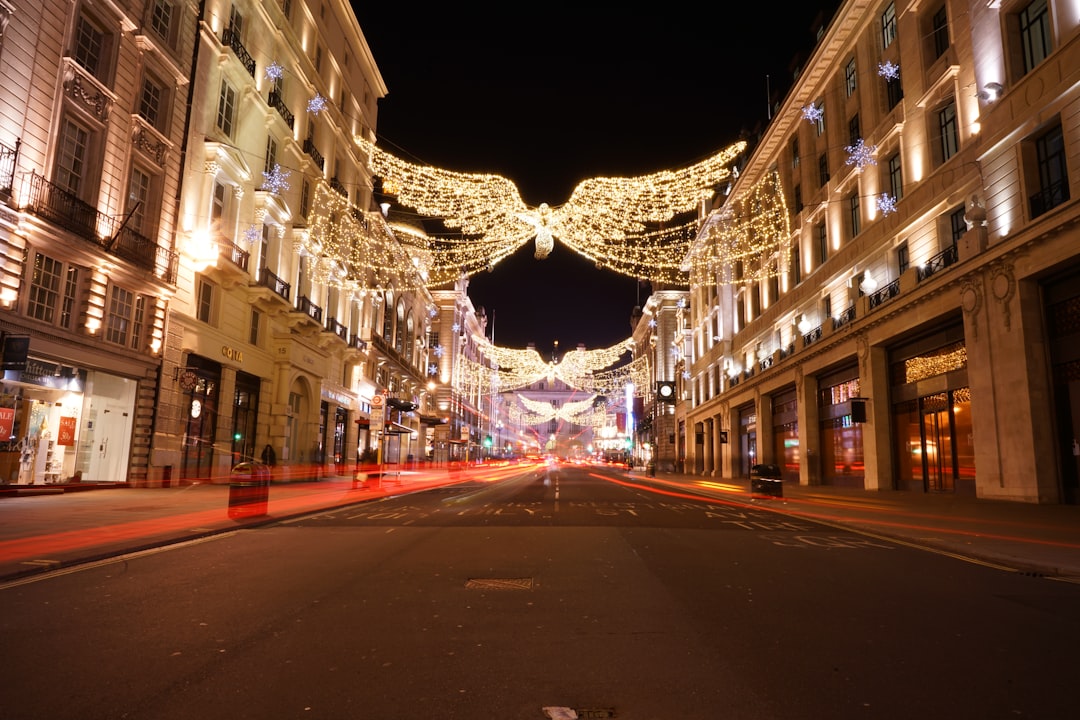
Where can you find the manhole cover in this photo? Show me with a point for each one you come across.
(499, 583)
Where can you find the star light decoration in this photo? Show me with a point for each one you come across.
(612, 221)
(888, 70)
(251, 234)
(886, 204)
(316, 104)
(276, 181)
(860, 154)
(274, 71)
(813, 113)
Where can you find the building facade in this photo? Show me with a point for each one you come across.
(907, 319)
(92, 100)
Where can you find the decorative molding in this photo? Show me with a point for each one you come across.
(971, 302)
(1003, 287)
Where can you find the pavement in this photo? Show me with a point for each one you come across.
(53, 528)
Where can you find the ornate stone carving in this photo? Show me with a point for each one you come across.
(86, 94)
(971, 302)
(1003, 287)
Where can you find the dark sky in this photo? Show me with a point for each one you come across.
(549, 95)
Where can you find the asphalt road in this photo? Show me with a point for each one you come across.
(550, 594)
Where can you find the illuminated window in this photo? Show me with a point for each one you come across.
(888, 25)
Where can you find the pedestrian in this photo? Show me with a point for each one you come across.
(269, 457)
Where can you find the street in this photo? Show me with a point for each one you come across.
(555, 592)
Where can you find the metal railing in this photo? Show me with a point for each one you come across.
(230, 37)
(338, 329)
(1049, 198)
(942, 260)
(313, 153)
(844, 318)
(313, 311)
(269, 280)
(9, 159)
(278, 103)
(886, 293)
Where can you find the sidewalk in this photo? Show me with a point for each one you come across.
(39, 533)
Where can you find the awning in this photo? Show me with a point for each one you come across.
(432, 420)
(393, 428)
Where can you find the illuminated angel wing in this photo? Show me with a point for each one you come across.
(478, 204)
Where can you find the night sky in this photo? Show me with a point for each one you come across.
(548, 97)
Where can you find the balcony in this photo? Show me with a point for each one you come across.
(61, 207)
(313, 311)
(313, 153)
(844, 318)
(9, 157)
(339, 187)
(1049, 198)
(335, 327)
(942, 260)
(231, 38)
(886, 293)
(811, 337)
(275, 101)
(357, 344)
(272, 282)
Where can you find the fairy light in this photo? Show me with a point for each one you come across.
(609, 220)
(274, 71)
(251, 234)
(747, 240)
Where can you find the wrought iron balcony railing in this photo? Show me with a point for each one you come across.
(230, 37)
(844, 318)
(236, 255)
(313, 153)
(269, 280)
(1049, 198)
(278, 103)
(886, 293)
(313, 311)
(9, 157)
(942, 260)
(332, 325)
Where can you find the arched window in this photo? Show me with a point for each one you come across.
(388, 316)
(409, 341)
(399, 329)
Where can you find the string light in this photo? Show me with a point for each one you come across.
(606, 219)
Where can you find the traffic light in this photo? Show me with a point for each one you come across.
(487, 441)
(237, 436)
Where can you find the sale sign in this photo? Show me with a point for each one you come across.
(7, 422)
(65, 434)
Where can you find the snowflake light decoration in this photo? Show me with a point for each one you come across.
(316, 104)
(437, 351)
(274, 71)
(813, 113)
(277, 180)
(860, 155)
(682, 302)
(252, 233)
(432, 312)
(456, 327)
(652, 322)
(686, 374)
(888, 70)
(432, 369)
(886, 204)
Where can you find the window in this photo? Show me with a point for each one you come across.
(939, 32)
(264, 247)
(305, 199)
(948, 136)
(226, 113)
(90, 46)
(823, 169)
(138, 202)
(161, 21)
(957, 225)
(888, 26)
(819, 122)
(204, 301)
(822, 243)
(797, 202)
(138, 324)
(849, 77)
(318, 58)
(796, 264)
(1053, 176)
(794, 153)
(45, 288)
(71, 161)
(1034, 34)
(271, 155)
(119, 315)
(903, 259)
(896, 176)
(894, 92)
(854, 224)
(219, 203)
(152, 102)
(236, 22)
(253, 330)
(854, 131)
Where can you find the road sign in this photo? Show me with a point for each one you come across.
(378, 402)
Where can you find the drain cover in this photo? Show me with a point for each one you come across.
(499, 583)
